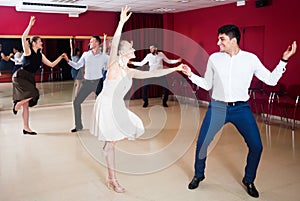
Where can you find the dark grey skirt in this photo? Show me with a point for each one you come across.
(24, 87)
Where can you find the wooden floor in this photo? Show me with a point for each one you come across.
(57, 165)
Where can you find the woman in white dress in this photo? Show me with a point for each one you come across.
(112, 120)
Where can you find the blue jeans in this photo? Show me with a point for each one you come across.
(217, 115)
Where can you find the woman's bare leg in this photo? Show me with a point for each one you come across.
(109, 152)
(22, 102)
(25, 115)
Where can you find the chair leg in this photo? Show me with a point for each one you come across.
(286, 115)
(270, 112)
(270, 106)
(295, 111)
(293, 125)
(264, 114)
(294, 118)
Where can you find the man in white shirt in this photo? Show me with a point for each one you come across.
(94, 62)
(17, 59)
(229, 74)
(155, 60)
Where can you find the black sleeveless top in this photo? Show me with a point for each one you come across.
(32, 62)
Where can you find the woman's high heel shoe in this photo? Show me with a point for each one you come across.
(29, 133)
(113, 184)
(14, 108)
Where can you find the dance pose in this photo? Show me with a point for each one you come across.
(94, 61)
(155, 60)
(112, 120)
(229, 74)
(25, 93)
(77, 74)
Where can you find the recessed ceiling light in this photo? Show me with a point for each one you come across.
(184, 1)
(163, 10)
(241, 3)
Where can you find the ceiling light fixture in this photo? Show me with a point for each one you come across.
(240, 3)
(163, 10)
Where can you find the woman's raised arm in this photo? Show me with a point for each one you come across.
(25, 44)
(116, 39)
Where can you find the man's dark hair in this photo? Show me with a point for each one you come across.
(231, 31)
(97, 39)
(154, 45)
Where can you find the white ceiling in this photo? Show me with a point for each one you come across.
(142, 6)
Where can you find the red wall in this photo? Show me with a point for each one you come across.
(280, 19)
(87, 24)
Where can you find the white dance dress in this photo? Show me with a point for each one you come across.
(112, 120)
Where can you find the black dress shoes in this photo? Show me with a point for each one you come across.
(251, 189)
(165, 105)
(14, 108)
(145, 104)
(29, 133)
(195, 182)
(75, 130)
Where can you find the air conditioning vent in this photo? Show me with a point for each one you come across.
(53, 5)
(71, 9)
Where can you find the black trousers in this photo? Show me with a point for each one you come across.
(87, 87)
(161, 81)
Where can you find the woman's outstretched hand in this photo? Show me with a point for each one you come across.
(65, 56)
(179, 68)
(32, 21)
(186, 70)
(124, 16)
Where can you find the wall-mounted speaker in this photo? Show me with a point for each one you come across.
(262, 3)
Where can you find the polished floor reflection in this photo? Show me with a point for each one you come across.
(51, 93)
(64, 166)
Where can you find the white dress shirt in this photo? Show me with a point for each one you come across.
(94, 64)
(155, 61)
(17, 58)
(230, 77)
